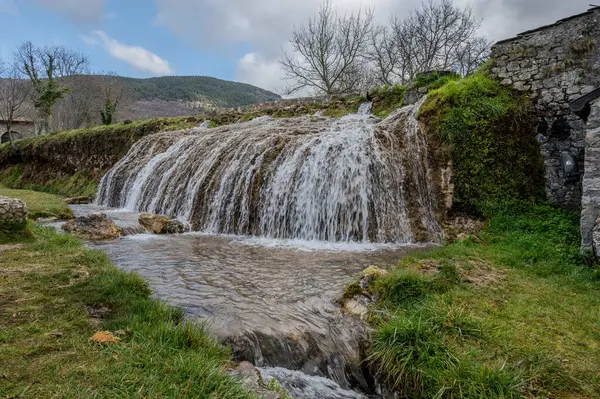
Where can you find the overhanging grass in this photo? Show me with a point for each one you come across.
(40, 205)
(51, 287)
(521, 320)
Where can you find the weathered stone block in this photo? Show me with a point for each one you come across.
(12, 211)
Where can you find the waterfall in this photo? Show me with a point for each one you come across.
(355, 178)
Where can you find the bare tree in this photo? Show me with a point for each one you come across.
(115, 95)
(328, 51)
(44, 67)
(436, 36)
(14, 91)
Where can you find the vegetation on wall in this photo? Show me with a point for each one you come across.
(489, 133)
(508, 313)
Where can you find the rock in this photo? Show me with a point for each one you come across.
(251, 381)
(46, 220)
(93, 227)
(596, 238)
(359, 296)
(78, 200)
(161, 224)
(13, 211)
(369, 275)
(461, 227)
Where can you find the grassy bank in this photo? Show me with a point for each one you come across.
(55, 295)
(513, 311)
(40, 205)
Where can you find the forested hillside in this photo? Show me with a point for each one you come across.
(202, 89)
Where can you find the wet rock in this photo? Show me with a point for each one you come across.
(161, 224)
(303, 386)
(252, 381)
(360, 295)
(93, 227)
(78, 200)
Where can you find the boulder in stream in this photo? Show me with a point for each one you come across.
(93, 227)
(161, 224)
(360, 295)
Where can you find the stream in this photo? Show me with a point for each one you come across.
(272, 301)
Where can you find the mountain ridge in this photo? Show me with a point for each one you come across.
(201, 89)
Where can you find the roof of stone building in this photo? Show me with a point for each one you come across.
(560, 21)
(579, 104)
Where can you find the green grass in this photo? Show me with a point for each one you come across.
(40, 205)
(511, 312)
(77, 185)
(51, 286)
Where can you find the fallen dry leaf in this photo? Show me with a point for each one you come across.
(105, 337)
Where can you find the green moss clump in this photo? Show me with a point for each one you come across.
(352, 290)
(386, 99)
(489, 133)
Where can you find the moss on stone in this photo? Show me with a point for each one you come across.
(386, 99)
(489, 133)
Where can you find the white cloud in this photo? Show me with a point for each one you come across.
(80, 12)
(137, 57)
(8, 7)
(264, 26)
(255, 70)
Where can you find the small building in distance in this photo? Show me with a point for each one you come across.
(21, 128)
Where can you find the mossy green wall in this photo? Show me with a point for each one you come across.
(489, 134)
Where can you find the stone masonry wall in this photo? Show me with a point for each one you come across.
(556, 65)
(12, 211)
(590, 203)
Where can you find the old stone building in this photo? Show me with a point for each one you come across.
(556, 64)
(21, 128)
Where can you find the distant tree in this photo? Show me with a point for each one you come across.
(115, 94)
(436, 36)
(44, 67)
(14, 91)
(328, 52)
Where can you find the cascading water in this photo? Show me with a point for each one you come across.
(356, 178)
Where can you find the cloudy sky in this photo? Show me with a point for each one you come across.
(229, 39)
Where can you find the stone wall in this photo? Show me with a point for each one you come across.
(590, 203)
(12, 211)
(556, 64)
